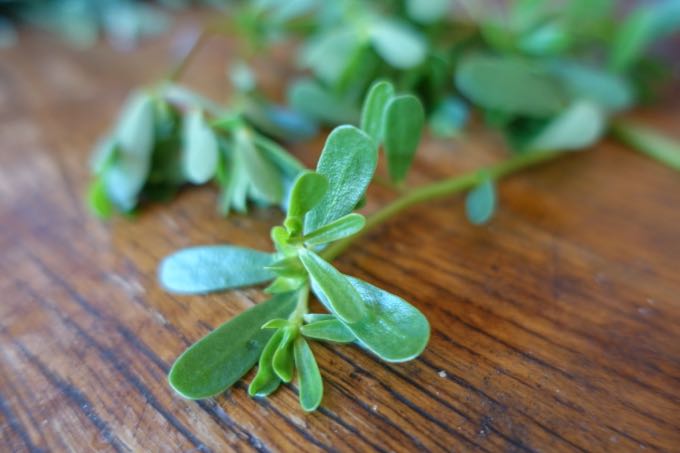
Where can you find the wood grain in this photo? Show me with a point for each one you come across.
(555, 328)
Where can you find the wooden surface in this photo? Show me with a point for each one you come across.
(555, 328)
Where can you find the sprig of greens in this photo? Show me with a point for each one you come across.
(169, 137)
(276, 333)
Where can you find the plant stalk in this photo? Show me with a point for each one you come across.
(649, 142)
(441, 189)
(182, 65)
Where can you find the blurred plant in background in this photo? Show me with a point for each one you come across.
(548, 75)
(83, 22)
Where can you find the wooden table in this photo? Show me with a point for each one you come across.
(555, 328)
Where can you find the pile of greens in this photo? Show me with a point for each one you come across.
(552, 79)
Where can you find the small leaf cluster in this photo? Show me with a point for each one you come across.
(396, 122)
(170, 137)
(276, 334)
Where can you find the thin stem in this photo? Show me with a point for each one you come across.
(441, 189)
(182, 65)
(648, 142)
(302, 307)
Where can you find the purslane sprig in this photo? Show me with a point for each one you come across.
(170, 137)
(276, 333)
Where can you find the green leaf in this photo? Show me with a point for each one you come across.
(222, 357)
(343, 300)
(277, 323)
(264, 178)
(398, 44)
(581, 125)
(348, 160)
(310, 98)
(284, 285)
(199, 149)
(290, 267)
(266, 381)
(338, 229)
(282, 361)
(393, 329)
(203, 269)
(309, 377)
(308, 190)
(480, 203)
(610, 91)
(126, 175)
(373, 111)
(427, 11)
(509, 84)
(274, 153)
(97, 199)
(329, 54)
(234, 183)
(404, 120)
(135, 130)
(632, 38)
(328, 330)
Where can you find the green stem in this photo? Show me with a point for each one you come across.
(441, 189)
(649, 142)
(302, 307)
(182, 65)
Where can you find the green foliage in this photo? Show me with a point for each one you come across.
(510, 85)
(396, 122)
(372, 113)
(348, 160)
(222, 357)
(328, 330)
(404, 120)
(200, 149)
(204, 269)
(309, 377)
(480, 203)
(164, 140)
(275, 331)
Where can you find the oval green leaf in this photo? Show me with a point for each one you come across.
(222, 357)
(373, 110)
(348, 160)
(198, 270)
(341, 228)
(343, 300)
(308, 190)
(398, 44)
(308, 97)
(266, 381)
(404, 120)
(282, 361)
(393, 329)
(309, 377)
(199, 149)
(510, 85)
(480, 203)
(264, 177)
(328, 330)
(578, 127)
